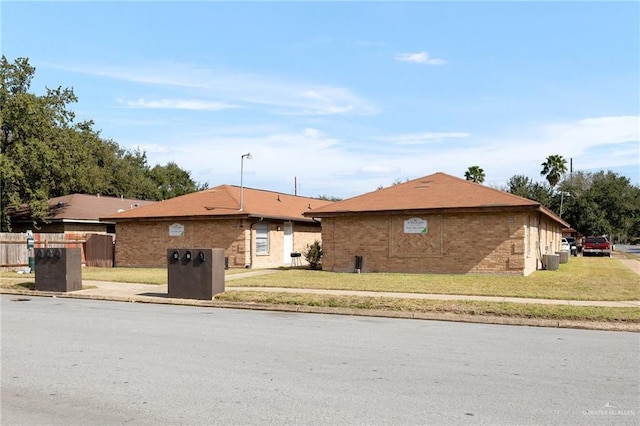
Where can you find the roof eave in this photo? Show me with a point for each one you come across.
(482, 209)
(216, 217)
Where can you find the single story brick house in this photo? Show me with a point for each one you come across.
(257, 228)
(74, 213)
(437, 224)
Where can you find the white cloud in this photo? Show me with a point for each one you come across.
(226, 87)
(595, 131)
(329, 165)
(379, 169)
(419, 58)
(423, 138)
(178, 104)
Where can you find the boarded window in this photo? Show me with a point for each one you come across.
(262, 238)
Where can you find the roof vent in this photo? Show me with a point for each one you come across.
(60, 204)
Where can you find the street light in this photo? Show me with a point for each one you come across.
(248, 157)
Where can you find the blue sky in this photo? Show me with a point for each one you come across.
(344, 97)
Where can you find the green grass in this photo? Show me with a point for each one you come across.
(501, 309)
(580, 279)
(590, 278)
(124, 275)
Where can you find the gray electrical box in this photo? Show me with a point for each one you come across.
(195, 273)
(58, 269)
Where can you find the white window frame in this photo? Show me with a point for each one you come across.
(262, 238)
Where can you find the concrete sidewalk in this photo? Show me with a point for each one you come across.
(105, 289)
(157, 294)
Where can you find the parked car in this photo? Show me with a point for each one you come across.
(564, 245)
(599, 246)
(573, 246)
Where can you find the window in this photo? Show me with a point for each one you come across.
(262, 238)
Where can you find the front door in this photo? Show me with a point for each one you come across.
(288, 243)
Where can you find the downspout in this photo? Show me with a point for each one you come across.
(539, 234)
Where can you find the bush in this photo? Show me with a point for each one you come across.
(313, 254)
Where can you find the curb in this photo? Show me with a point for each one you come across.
(430, 316)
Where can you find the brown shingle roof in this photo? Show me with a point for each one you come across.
(224, 201)
(433, 192)
(81, 207)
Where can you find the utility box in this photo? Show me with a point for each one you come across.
(58, 269)
(551, 262)
(564, 256)
(195, 273)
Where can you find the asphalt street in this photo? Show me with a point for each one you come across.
(71, 361)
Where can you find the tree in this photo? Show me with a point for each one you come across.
(520, 185)
(35, 140)
(524, 187)
(593, 203)
(328, 198)
(45, 154)
(553, 169)
(474, 174)
(171, 181)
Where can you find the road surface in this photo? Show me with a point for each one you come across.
(69, 361)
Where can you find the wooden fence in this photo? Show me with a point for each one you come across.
(96, 249)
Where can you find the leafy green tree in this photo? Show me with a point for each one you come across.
(520, 185)
(44, 154)
(171, 181)
(328, 198)
(34, 141)
(475, 174)
(603, 203)
(553, 169)
(593, 203)
(524, 187)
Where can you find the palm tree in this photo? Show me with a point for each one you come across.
(474, 174)
(554, 168)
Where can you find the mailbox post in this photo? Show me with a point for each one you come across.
(30, 248)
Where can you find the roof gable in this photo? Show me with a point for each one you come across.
(224, 201)
(434, 192)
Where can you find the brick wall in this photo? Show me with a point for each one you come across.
(302, 234)
(146, 243)
(454, 243)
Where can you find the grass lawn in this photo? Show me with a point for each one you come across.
(124, 275)
(458, 307)
(588, 278)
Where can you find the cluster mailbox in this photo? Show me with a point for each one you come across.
(195, 273)
(58, 269)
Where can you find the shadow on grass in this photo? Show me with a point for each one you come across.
(29, 285)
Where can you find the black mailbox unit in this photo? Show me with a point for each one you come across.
(195, 273)
(58, 269)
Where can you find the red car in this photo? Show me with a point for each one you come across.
(599, 246)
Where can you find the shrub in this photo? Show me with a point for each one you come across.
(313, 254)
